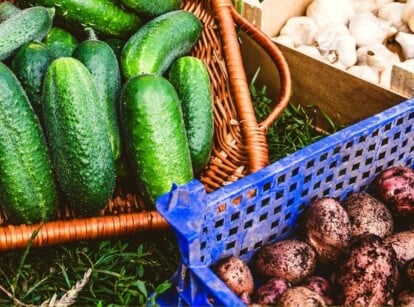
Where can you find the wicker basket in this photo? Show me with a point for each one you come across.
(240, 145)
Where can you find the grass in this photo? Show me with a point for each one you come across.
(123, 271)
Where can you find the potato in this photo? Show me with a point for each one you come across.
(369, 273)
(270, 292)
(235, 273)
(409, 271)
(405, 298)
(321, 285)
(301, 296)
(403, 244)
(291, 260)
(368, 215)
(395, 187)
(327, 229)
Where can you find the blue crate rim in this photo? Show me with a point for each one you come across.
(321, 145)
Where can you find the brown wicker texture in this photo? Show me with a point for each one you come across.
(240, 145)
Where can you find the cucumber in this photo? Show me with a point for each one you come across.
(102, 63)
(153, 129)
(104, 16)
(30, 65)
(61, 42)
(7, 10)
(28, 190)
(27, 25)
(152, 8)
(159, 42)
(190, 78)
(77, 134)
(116, 44)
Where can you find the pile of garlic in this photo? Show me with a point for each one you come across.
(354, 35)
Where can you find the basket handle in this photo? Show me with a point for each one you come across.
(254, 134)
(278, 59)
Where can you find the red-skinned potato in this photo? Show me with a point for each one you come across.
(235, 273)
(395, 187)
(403, 244)
(270, 292)
(327, 229)
(368, 215)
(368, 276)
(291, 260)
(301, 296)
(321, 285)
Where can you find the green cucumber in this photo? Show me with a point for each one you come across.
(77, 134)
(190, 78)
(28, 191)
(104, 16)
(7, 10)
(102, 63)
(61, 42)
(30, 65)
(152, 8)
(153, 128)
(116, 44)
(159, 42)
(27, 25)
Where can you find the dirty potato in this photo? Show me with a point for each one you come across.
(368, 215)
(321, 285)
(327, 229)
(291, 260)
(395, 187)
(369, 273)
(270, 292)
(405, 298)
(301, 296)
(403, 244)
(235, 273)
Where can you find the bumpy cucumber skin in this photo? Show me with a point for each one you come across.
(190, 78)
(104, 16)
(7, 10)
(159, 42)
(30, 65)
(102, 63)
(61, 42)
(154, 132)
(77, 135)
(152, 8)
(28, 190)
(27, 25)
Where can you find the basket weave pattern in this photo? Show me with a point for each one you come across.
(240, 145)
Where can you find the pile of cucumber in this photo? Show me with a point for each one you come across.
(89, 86)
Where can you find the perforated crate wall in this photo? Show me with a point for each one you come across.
(265, 206)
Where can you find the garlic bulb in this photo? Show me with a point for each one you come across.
(385, 77)
(392, 12)
(364, 72)
(408, 10)
(378, 57)
(341, 49)
(411, 23)
(372, 6)
(311, 51)
(325, 35)
(327, 11)
(284, 40)
(406, 41)
(301, 29)
(364, 6)
(368, 29)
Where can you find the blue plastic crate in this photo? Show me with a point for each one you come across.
(265, 206)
